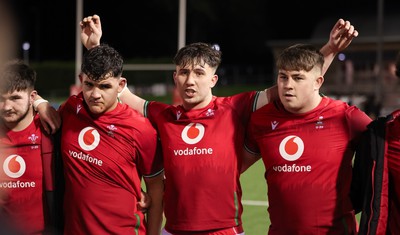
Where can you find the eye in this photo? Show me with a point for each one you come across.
(88, 84)
(282, 77)
(14, 98)
(105, 86)
(183, 72)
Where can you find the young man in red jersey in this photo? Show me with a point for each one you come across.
(26, 155)
(307, 143)
(107, 149)
(202, 158)
(376, 184)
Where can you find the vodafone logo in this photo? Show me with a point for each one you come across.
(193, 133)
(89, 138)
(291, 148)
(14, 166)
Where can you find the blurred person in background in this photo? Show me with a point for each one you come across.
(26, 157)
(376, 184)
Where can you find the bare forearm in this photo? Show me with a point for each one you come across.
(155, 189)
(329, 56)
(134, 101)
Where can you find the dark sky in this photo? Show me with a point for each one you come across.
(148, 29)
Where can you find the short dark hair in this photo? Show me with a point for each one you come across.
(15, 75)
(102, 62)
(300, 57)
(198, 52)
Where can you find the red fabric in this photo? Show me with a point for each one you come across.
(202, 150)
(104, 158)
(22, 180)
(308, 165)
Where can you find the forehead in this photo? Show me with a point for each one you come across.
(14, 93)
(291, 72)
(193, 66)
(106, 80)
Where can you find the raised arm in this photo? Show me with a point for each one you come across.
(134, 101)
(340, 37)
(90, 36)
(91, 31)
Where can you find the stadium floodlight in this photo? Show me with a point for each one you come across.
(25, 47)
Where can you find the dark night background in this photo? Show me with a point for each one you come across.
(149, 29)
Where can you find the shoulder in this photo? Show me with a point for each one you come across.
(155, 107)
(242, 101)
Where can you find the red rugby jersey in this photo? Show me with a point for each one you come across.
(104, 158)
(308, 165)
(202, 149)
(22, 177)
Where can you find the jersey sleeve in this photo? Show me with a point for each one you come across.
(152, 109)
(357, 122)
(149, 148)
(250, 143)
(244, 104)
(48, 161)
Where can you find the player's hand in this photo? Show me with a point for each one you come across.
(49, 117)
(341, 35)
(91, 31)
(144, 203)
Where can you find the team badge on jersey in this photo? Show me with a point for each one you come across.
(14, 166)
(111, 129)
(193, 133)
(291, 147)
(33, 138)
(210, 112)
(89, 138)
(319, 124)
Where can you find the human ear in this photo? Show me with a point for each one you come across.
(214, 80)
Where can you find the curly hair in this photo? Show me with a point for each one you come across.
(102, 62)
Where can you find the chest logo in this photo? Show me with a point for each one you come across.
(14, 166)
(193, 133)
(89, 138)
(291, 147)
(274, 124)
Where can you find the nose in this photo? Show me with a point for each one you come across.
(190, 78)
(95, 93)
(288, 83)
(5, 105)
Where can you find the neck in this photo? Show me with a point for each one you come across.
(191, 106)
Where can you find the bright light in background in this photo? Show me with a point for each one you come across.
(26, 46)
(341, 56)
(216, 47)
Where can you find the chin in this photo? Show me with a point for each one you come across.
(96, 110)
